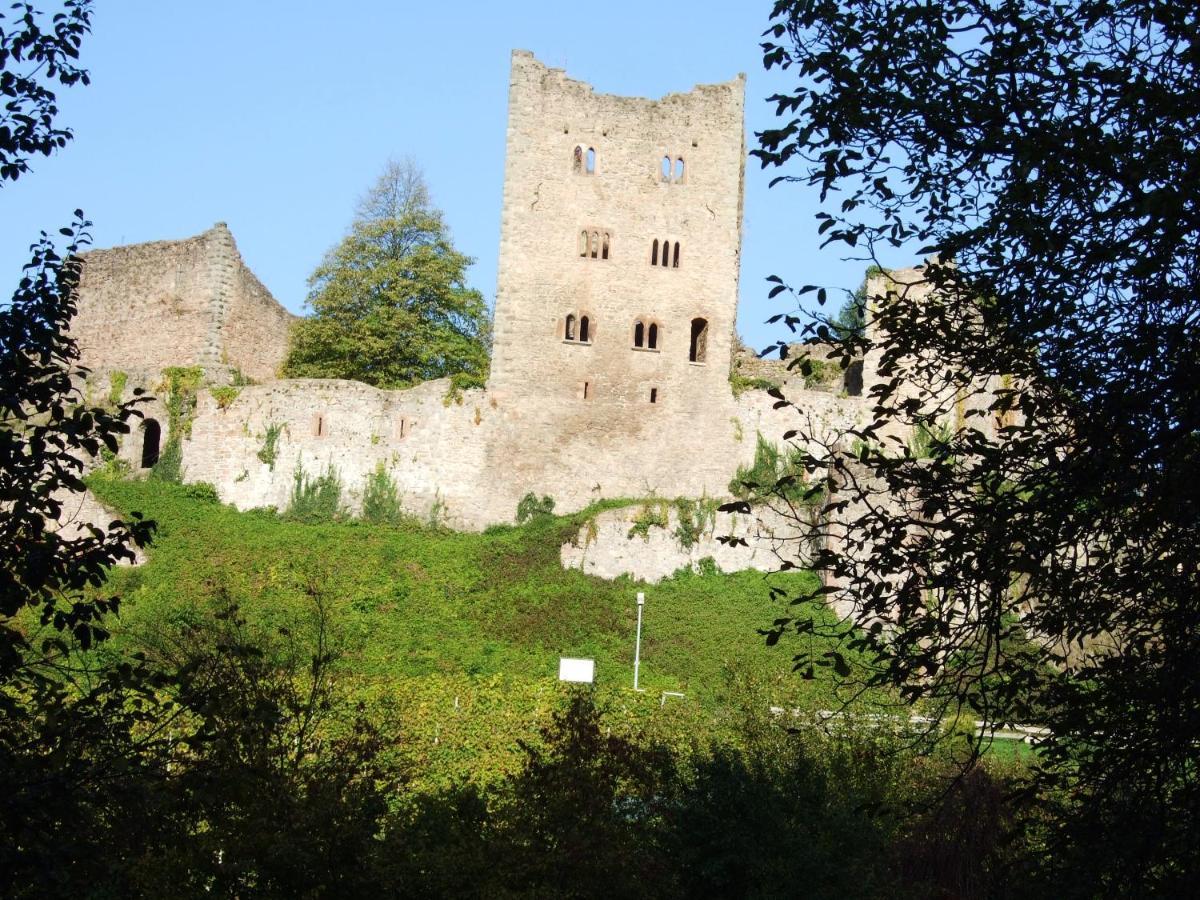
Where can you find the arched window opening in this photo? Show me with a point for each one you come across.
(654, 253)
(652, 336)
(151, 440)
(639, 334)
(591, 161)
(698, 348)
(583, 244)
(679, 170)
(666, 254)
(595, 244)
(604, 246)
(675, 259)
(583, 328)
(666, 168)
(577, 163)
(569, 332)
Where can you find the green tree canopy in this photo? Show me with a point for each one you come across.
(1040, 561)
(390, 304)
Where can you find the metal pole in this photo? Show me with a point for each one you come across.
(637, 647)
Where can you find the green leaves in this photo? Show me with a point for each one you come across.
(390, 307)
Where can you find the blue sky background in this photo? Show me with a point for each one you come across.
(275, 116)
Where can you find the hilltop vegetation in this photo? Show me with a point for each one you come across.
(419, 616)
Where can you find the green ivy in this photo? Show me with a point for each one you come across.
(269, 451)
(653, 514)
(179, 387)
(225, 395)
(695, 518)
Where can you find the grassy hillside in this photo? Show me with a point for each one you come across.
(458, 634)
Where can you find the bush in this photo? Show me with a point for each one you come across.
(225, 395)
(775, 473)
(381, 499)
(316, 499)
(202, 491)
(531, 508)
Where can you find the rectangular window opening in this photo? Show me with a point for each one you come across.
(653, 395)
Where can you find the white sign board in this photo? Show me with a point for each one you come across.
(580, 670)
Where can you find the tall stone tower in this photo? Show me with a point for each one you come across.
(618, 210)
(618, 273)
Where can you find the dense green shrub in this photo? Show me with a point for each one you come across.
(202, 491)
(381, 499)
(530, 508)
(776, 473)
(316, 499)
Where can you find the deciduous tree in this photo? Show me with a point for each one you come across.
(390, 304)
(1046, 155)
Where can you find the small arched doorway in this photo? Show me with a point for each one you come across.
(151, 442)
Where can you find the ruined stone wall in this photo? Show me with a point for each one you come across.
(148, 306)
(609, 547)
(432, 451)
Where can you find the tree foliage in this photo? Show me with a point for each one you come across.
(34, 55)
(47, 432)
(1041, 562)
(390, 304)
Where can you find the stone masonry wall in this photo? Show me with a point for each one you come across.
(607, 548)
(432, 451)
(148, 306)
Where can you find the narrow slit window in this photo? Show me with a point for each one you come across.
(577, 162)
(320, 428)
(591, 161)
(587, 391)
(583, 328)
(595, 244)
(569, 332)
(652, 336)
(639, 334)
(679, 170)
(401, 430)
(653, 395)
(654, 253)
(604, 246)
(698, 347)
(666, 168)
(675, 258)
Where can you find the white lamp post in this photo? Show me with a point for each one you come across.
(637, 647)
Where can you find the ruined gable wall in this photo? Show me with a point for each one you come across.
(148, 306)
(257, 329)
(144, 307)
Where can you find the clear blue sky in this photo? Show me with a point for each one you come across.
(274, 116)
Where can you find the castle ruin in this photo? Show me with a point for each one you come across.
(614, 332)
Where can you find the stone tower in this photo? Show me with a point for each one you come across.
(617, 288)
(618, 211)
